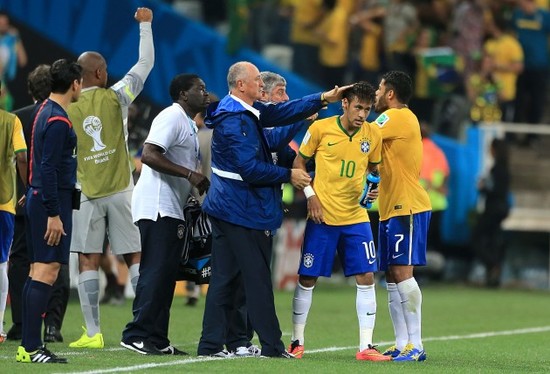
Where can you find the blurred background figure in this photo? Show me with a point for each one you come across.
(367, 25)
(488, 241)
(532, 27)
(483, 91)
(12, 56)
(434, 176)
(305, 58)
(507, 54)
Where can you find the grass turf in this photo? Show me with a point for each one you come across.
(465, 330)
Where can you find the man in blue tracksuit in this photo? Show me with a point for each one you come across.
(244, 203)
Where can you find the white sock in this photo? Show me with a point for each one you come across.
(301, 303)
(192, 289)
(4, 286)
(411, 301)
(397, 317)
(88, 292)
(365, 304)
(134, 276)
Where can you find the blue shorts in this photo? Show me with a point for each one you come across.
(39, 250)
(7, 225)
(403, 240)
(354, 243)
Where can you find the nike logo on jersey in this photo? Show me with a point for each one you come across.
(395, 256)
(371, 314)
(372, 261)
(331, 144)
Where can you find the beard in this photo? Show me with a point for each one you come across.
(380, 106)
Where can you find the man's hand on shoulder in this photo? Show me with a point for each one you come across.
(144, 15)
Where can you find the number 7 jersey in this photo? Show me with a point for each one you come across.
(341, 161)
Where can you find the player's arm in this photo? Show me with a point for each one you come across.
(146, 47)
(52, 156)
(314, 209)
(154, 157)
(20, 150)
(129, 87)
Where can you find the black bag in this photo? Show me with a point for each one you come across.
(195, 259)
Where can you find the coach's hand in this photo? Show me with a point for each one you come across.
(299, 178)
(335, 94)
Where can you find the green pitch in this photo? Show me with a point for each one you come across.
(465, 330)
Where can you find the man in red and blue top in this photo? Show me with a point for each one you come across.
(52, 178)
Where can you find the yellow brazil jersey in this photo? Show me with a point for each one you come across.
(19, 145)
(341, 161)
(400, 190)
(306, 13)
(505, 50)
(334, 45)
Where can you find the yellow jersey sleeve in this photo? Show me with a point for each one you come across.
(311, 140)
(19, 144)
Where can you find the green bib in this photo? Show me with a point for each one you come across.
(102, 153)
(7, 182)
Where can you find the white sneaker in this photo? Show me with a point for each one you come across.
(220, 354)
(252, 351)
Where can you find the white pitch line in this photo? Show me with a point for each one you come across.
(481, 335)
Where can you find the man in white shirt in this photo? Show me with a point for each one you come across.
(170, 163)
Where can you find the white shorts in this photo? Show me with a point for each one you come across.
(96, 216)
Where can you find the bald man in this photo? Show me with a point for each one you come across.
(105, 174)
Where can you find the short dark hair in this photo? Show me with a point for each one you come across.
(63, 73)
(181, 82)
(363, 91)
(401, 83)
(39, 82)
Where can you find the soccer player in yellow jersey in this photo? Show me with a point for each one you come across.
(405, 213)
(344, 147)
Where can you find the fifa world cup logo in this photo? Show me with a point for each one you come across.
(92, 126)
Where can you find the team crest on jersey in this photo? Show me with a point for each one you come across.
(382, 119)
(365, 146)
(308, 260)
(181, 231)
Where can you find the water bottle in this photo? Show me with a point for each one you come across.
(372, 183)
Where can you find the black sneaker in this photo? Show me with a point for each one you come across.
(14, 333)
(192, 301)
(41, 356)
(282, 355)
(142, 346)
(52, 335)
(171, 350)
